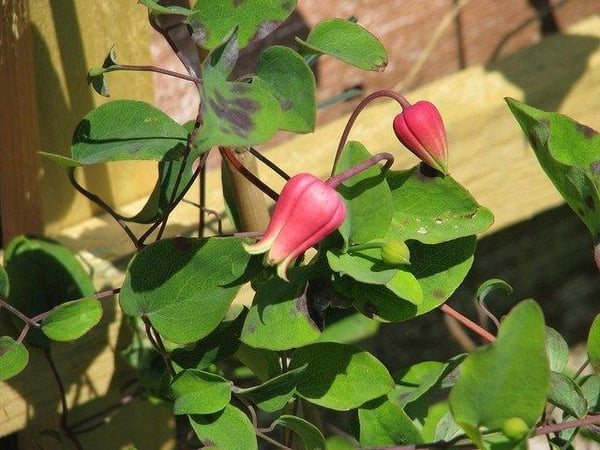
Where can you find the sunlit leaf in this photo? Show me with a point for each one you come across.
(13, 357)
(348, 42)
(340, 376)
(71, 320)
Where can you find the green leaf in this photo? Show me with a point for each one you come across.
(348, 42)
(292, 83)
(71, 320)
(311, 436)
(184, 286)
(62, 161)
(212, 20)
(433, 209)
(370, 270)
(263, 363)
(279, 318)
(228, 429)
(368, 198)
(173, 178)
(43, 274)
(124, 130)
(414, 381)
(198, 392)
(13, 357)
(593, 344)
(220, 344)
(349, 329)
(567, 395)
(569, 153)
(439, 269)
(340, 376)
(235, 114)
(557, 350)
(590, 388)
(383, 423)
(497, 383)
(275, 393)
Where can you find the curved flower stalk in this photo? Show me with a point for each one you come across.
(307, 211)
(421, 129)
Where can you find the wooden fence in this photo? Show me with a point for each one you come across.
(488, 155)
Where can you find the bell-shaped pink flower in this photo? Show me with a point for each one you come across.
(307, 211)
(421, 129)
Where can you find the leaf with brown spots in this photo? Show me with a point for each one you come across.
(212, 20)
(569, 153)
(235, 114)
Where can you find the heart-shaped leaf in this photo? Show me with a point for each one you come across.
(433, 209)
(13, 357)
(184, 286)
(292, 83)
(279, 317)
(340, 376)
(216, 429)
(71, 320)
(124, 130)
(198, 392)
(311, 436)
(522, 377)
(348, 42)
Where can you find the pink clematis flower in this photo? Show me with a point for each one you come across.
(421, 129)
(307, 211)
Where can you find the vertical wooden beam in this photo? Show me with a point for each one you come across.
(20, 204)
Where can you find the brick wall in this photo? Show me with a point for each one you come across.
(481, 32)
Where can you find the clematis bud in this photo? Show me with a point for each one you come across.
(307, 211)
(421, 129)
(395, 253)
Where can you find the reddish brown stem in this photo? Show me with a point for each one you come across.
(227, 153)
(446, 309)
(364, 102)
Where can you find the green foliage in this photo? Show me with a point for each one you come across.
(522, 377)
(593, 344)
(383, 423)
(312, 437)
(348, 42)
(266, 370)
(13, 357)
(169, 281)
(125, 130)
(228, 429)
(43, 274)
(274, 394)
(198, 392)
(71, 320)
(340, 376)
(292, 83)
(569, 153)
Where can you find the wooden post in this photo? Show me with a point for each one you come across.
(20, 205)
